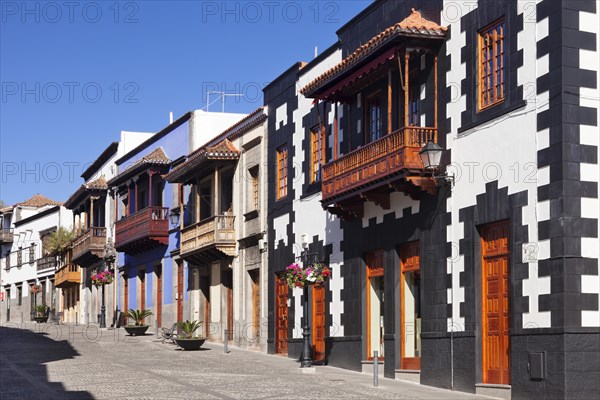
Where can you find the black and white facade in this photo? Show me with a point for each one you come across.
(488, 283)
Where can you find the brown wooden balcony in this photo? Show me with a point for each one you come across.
(89, 246)
(209, 240)
(6, 235)
(46, 263)
(69, 275)
(372, 171)
(143, 231)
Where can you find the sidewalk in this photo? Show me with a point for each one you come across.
(84, 362)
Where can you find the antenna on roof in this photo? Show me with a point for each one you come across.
(316, 51)
(222, 95)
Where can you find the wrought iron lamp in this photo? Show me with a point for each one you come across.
(431, 156)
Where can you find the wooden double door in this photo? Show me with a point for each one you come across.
(318, 331)
(281, 309)
(495, 303)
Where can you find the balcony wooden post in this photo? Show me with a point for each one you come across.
(150, 173)
(216, 195)
(116, 196)
(389, 108)
(127, 207)
(198, 201)
(136, 202)
(91, 221)
(335, 133)
(435, 95)
(406, 86)
(181, 209)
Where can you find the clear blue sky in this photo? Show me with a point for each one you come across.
(74, 75)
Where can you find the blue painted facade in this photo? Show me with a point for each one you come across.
(175, 145)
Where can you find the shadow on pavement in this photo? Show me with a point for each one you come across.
(23, 374)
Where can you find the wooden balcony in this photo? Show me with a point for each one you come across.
(209, 240)
(143, 231)
(6, 235)
(69, 275)
(46, 263)
(372, 171)
(89, 247)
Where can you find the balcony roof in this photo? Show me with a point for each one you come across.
(222, 151)
(413, 26)
(155, 158)
(98, 185)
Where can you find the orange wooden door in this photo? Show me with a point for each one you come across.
(495, 304)
(410, 313)
(159, 295)
(179, 290)
(142, 275)
(255, 278)
(281, 298)
(318, 319)
(374, 311)
(205, 288)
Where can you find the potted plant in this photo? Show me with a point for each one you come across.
(41, 314)
(186, 339)
(138, 316)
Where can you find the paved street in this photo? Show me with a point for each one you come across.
(77, 362)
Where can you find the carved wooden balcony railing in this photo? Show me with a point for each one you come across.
(209, 240)
(89, 246)
(69, 275)
(375, 163)
(143, 231)
(6, 235)
(46, 263)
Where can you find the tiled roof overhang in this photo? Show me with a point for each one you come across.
(371, 55)
(98, 186)
(157, 158)
(223, 151)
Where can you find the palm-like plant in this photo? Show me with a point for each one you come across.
(60, 241)
(138, 316)
(40, 310)
(188, 328)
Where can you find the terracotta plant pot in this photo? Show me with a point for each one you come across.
(190, 344)
(136, 330)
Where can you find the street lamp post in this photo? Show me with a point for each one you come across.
(109, 256)
(306, 359)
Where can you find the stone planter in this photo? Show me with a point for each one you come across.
(40, 320)
(190, 344)
(136, 330)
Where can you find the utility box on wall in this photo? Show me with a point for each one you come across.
(537, 366)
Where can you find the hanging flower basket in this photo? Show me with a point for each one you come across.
(297, 277)
(36, 289)
(102, 278)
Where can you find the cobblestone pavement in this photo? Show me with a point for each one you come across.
(79, 362)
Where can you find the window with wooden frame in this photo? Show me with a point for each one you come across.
(317, 146)
(492, 64)
(282, 172)
(373, 118)
(254, 186)
(31, 254)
